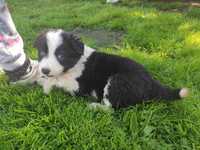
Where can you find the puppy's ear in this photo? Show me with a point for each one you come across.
(74, 41)
(40, 42)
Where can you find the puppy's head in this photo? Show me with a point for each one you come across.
(58, 51)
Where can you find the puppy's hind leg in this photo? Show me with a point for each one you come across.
(105, 105)
(100, 106)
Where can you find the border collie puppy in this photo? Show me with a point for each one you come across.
(115, 81)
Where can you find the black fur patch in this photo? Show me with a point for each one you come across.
(70, 51)
(41, 45)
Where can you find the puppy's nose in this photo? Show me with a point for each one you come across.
(45, 71)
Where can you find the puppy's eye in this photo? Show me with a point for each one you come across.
(60, 57)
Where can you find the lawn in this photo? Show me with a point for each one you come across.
(164, 37)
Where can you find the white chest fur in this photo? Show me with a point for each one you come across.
(68, 81)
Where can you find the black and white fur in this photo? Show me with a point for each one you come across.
(115, 81)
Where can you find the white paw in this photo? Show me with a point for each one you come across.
(112, 1)
(47, 90)
(94, 105)
(99, 106)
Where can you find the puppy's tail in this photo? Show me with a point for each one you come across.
(184, 92)
(173, 94)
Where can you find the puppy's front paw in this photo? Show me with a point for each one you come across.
(95, 106)
(47, 89)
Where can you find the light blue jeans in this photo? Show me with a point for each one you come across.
(12, 53)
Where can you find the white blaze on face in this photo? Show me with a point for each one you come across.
(54, 40)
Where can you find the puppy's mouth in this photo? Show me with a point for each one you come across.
(50, 76)
(47, 76)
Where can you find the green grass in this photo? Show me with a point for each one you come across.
(167, 43)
